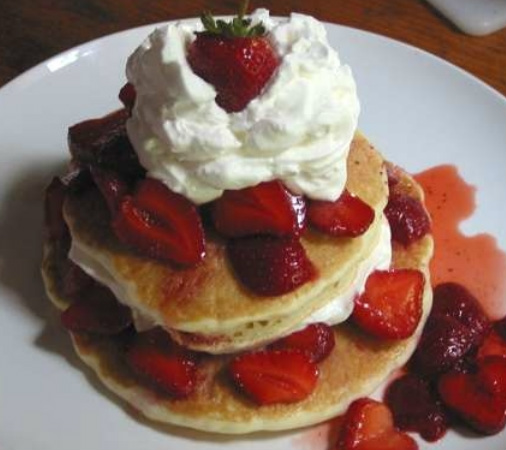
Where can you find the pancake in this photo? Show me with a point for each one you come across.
(205, 307)
(357, 365)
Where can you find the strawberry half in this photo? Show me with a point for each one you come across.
(348, 216)
(316, 340)
(391, 305)
(96, 311)
(236, 58)
(454, 300)
(274, 376)
(158, 360)
(267, 208)
(160, 224)
(417, 408)
(369, 425)
(111, 186)
(407, 218)
(479, 399)
(268, 265)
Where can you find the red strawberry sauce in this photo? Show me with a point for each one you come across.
(474, 261)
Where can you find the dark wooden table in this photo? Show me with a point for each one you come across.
(33, 30)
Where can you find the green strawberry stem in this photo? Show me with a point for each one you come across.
(237, 27)
(244, 9)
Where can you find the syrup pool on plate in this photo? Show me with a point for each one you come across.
(474, 261)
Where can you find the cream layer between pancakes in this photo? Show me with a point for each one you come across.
(335, 310)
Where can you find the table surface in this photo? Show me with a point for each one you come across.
(32, 31)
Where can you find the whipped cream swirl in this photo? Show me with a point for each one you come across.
(298, 130)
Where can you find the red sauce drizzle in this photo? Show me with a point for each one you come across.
(474, 261)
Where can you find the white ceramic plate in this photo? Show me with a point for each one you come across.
(418, 109)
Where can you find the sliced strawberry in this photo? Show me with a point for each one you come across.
(268, 265)
(478, 399)
(492, 345)
(53, 214)
(263, 209)
(444, 343)
(111, 186)
(455, 327)
(104, 143)
(500, 327)
(417, 408)
(238, 60)
(348, 216)
(161, 362)
(274, 376)
(454, 300)
(391, 305)
(316, 340)
(127, 95)
(96, 311)
(160, 224)
(75, 281)
(368, 425)
(407, 217)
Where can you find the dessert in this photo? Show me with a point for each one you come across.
(222, 255)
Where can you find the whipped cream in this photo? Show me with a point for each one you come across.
(298, 130)
(340, 308)
(334, 312)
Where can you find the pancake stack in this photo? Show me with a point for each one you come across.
(206, 309)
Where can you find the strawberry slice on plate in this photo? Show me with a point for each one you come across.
(267, 208)
(369, 425)
(235, 57)
(391, 305)
(161, 362)
(348, 216)
(160, 224)
(478, 399)
(316, 340)
(274, 376)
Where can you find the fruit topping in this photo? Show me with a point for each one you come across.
(75, 281)
(127, 95)
(500, 327)
(407, 217)
(391, 305)
(478, 399)
(493, 345)
(456, 325)
(270, 266)
(444, 343)
(274, 376)
(267, 208)
(368, 425)
(96, 311)
(53, 210)
(348, 216)
(417, 408)
(236, 58)
(160, 224)
(454, 300)
(160, 361)
(316, 340)
(104, 143)
(111, 186)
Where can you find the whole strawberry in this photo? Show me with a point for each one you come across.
(235, 57)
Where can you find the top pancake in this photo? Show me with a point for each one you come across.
(208, 298)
